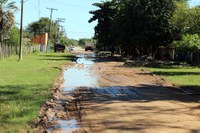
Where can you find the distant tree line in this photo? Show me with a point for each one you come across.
(57, 34)
(138, 27)
(186, 21)
(83, 41)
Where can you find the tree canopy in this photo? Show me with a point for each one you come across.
(40, 26)
(133, 23)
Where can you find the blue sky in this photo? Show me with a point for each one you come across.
(76, 13)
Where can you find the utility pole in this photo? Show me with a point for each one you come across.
(38, 9)
(58, 31)
(21, 30)
(51, 13)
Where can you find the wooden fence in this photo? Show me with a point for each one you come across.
(9, 50)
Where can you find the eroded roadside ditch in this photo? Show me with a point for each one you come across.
(63, 112)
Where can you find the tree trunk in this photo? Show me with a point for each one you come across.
(173, 54)
(191, 57)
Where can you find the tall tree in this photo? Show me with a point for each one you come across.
(194, 20)
(134, 23)
(37, 27)
(41, 26)
(186, 20)
(104, 15)
(7, 18)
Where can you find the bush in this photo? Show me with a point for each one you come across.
(189, 42)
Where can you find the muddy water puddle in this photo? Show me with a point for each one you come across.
(116, 91)
(75, 77)
(79, 75)
(65, 115)
(65, 126)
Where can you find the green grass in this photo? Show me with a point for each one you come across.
(181, 76)
(25, 86)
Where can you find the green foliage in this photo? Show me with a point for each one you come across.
(82, 42)
(41, 26)
(7, 11)
(36, 28)
(179, 19)
(188, 43)
(63, 39)
(71, 42)
(194, 20)
(133, 23)
(186, 20)
(104, 17)
(14, 36)
(7, 18)
(3, 1)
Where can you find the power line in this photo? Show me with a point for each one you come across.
(51, 13)
(66, 3)
(76, 23)
(88, 33)
(58, 21)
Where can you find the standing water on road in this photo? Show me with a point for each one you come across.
(79, 75)
(74, 78)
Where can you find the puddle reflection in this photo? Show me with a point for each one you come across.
(85, 61)
(65, 126)
(75, 78)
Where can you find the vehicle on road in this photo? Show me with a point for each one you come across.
(71, 48)
(59, 48)
(88, 48)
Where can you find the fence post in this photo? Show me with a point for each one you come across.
(0, 51)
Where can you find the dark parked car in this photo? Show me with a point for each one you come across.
(59, 48)
(88, 48)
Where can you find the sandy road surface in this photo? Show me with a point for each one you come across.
(132, 100)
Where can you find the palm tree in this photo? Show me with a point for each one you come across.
(7, 18)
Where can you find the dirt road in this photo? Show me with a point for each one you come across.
(103, 95)
(133, 100)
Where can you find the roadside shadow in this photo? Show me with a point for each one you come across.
(57, 57)
(133, 108)
(191, 89)
(109, 59)
(176, 73)
(143, 92)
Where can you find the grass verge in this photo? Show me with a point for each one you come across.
(25, 86)
(185, 77)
